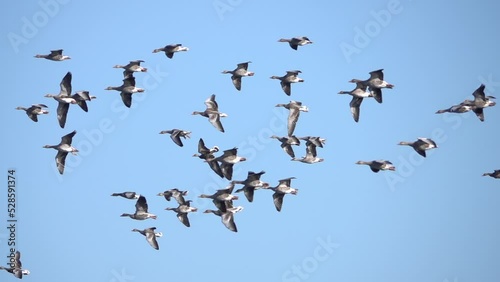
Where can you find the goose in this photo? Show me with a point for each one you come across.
(494, 174)
(131, 67)
(175, 193)
(378, 165)
(296, 41)
(207, 154)
(311, 156)
(17, 270)
(280, 191)
(141, 210)
(171, 49)
(357, 94)
(460, 108)
(375, 83)
(150, 235)
(250, 184)
(81, 97)
(290, 77)
(480, 102)
(127, 195)
(212, 113)
(55, 55)
(240, 71)
(127, 89)
(227, 160)
(63, 98)
(221, 197)
(316, 140)
(34, 111)
(295, 108)
(176, 134)
(182, 212)
(287, 142)
(421, 145)
(227, 217)
(63, 148)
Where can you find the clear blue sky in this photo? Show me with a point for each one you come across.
(434, 219)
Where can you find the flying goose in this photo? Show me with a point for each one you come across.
(55, 55)
(63, 148)
(127, 195)
(290, 77)
(132, 66)
(182, 212)
(250, 184)
(480, 102)
(280, 191)
(295, 108)
(287, 142)
(494, 174)
(208, 155)
(378, 165)
(459, 109)
(141, 210)
(35, 110)
(212, 113)
(127, 89)
(375, 84)
(176, 134)
(81, 97)
(316, 140)
(240, 71)
(421, 145)
(357, 94)
(17, 270)
(221, 197)
(227, 160)
(296, 41)
(175, 193)
(171, 49)
(311, 155)
(227, 217)
(150, 235)
(63, 99)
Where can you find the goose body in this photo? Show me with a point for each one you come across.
(171, 49)
(227, 160)
(175, 193)
(460, 108)
(375, 84)
(207, 154)
(127, 89)
(281, 190)
(494, 174)
(182, 212)
(358, 94)
(17, 270)
(176, 134)
(127, 195)
(295, 42)
(378, 165)
(64, 99)
(287, 142)
(227, 216)
(311, 155)
(63, 148)
(141, 210)
(480, 102)
(212, 113)
(150, 235)
(131, 67)
(221, 197)
(34, 111)
(240, 71)
(421, 145)
(55, 55)
(250, 184)
(289, 78)
(294, 108)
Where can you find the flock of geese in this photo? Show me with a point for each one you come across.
(223, 164)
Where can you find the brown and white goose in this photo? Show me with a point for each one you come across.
(494, 174)
(287, 142)
(357, 94)
(281, 190)
(150, 235)
(227, 160)
(63, 148)
(221, 197)
(421, 145)
(375, 84)
(182, 212)
(212, 113)
(127, 195)
(16, 267)
(290, 77)
(34, 111)
(296, 41)
(480, 102)
(227, 216)
(55, 55)
(176, 134)
(311, 155)
(127, 89)
(295, 108)
(207, 154)
(240, 71)
(141, 210)
(250, 184)
(378, 165)
(171, 49)
(131, 67)
(64, 99)
(175, 193)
